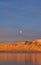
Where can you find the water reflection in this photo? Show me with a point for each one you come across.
(34, 59)
(30, 59)
(12, 57)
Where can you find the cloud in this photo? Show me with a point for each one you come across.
(5, 4)
(22, 11)
(12, 15)
(33, 9)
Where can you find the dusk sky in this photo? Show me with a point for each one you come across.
(20, 20)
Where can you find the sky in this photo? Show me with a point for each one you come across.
(20, 20)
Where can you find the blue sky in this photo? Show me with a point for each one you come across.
(16, 15)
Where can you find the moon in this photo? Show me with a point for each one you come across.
(20, 31)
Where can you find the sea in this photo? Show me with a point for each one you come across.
(20, 58)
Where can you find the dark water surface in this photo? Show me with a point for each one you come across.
(20, 59)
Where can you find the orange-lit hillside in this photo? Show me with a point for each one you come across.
(27, 46)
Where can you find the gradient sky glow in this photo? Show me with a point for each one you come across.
(16, 15)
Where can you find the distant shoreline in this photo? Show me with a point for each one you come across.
(29, 46)
(19, 52)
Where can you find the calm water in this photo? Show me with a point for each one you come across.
(20, 59)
